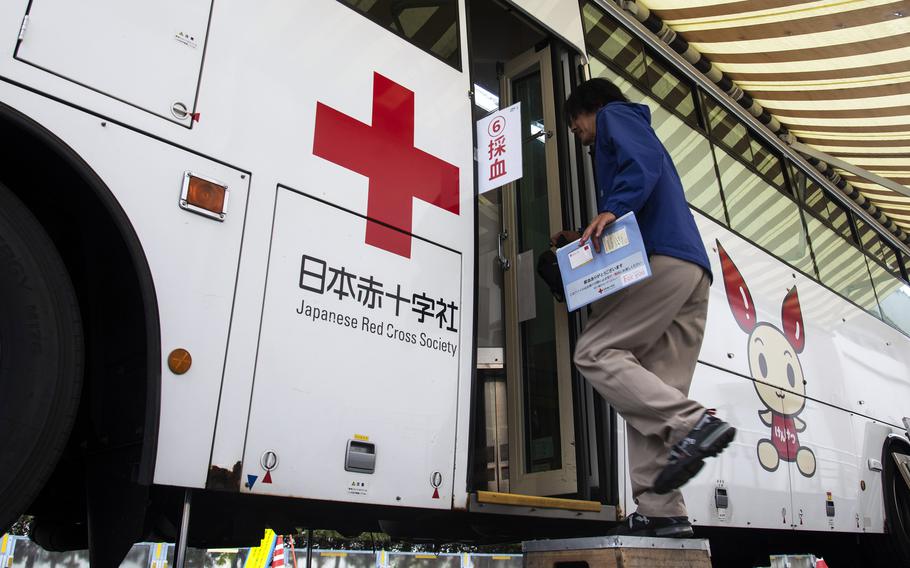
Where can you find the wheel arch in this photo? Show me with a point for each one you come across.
(99, 200)
(894, 443)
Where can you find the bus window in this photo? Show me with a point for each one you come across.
(687, 146)
(764, 214)
(768, 165)
(822, 207)
(609, 42)
(614, 46)
(730, 133)
(841, 265)
(672, 92)
(433, 26)
(893, 294)
(727, 131)
(877, 248)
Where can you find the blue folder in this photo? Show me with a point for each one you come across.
(588, 276)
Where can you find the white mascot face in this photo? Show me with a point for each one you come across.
(775, 367)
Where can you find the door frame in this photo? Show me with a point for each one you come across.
(561, 481)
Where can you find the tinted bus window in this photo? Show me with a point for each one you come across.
(606, 40)
(823, 208)
(877, 248)
(729, 132)
(689, 149)
(672, 92)
(893, 296)
(842, 266)
(892, 292)
(431, 26)
(764, 214)
(767, 164)
(614, 46)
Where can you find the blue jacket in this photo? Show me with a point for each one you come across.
(634, 172)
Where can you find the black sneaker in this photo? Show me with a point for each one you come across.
(709, 438)
(637, 524)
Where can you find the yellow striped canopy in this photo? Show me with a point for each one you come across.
(836, 73)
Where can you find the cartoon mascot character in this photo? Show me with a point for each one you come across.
(775, 368)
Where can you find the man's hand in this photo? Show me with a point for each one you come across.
(596, 228)
(569, 236)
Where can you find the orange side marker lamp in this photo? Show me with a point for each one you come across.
(204, 196)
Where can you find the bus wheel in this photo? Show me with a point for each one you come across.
(41, 357)
(896, 494)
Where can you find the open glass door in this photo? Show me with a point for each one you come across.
(525, 458)
(537, 356)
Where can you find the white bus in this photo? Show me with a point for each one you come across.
(246, 279)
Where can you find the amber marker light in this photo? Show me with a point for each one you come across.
(204, 196)
(179, 361)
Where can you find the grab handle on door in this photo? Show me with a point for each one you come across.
(546, 134)
(503, 261)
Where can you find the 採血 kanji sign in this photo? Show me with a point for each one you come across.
(499, 148)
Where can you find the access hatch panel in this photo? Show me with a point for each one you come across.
(147, 54)
(356, 382)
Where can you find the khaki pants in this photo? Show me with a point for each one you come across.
(639, 351)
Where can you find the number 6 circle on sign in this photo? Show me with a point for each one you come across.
(497, 125)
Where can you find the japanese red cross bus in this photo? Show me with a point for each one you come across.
(247, 279)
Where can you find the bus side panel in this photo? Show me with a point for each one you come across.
(825, 498)
(804, 387)
(148, 55)
(356, 381)
(728, 339)
(849, 358)
(193, 261)
(334, 82)
(870, 438)
(875, 359)
(756, 498)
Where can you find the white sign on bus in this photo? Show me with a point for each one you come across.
(499, 148)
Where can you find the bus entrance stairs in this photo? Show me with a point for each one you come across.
(617, 552)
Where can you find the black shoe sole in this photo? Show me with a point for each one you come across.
(683, 531)
(672, 531)
(675, 476)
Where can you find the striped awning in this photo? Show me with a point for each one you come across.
(835, 73)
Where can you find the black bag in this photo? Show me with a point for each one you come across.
(548, 269)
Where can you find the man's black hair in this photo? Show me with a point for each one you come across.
(591, 95)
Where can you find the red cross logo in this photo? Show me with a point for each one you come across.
(385, 153)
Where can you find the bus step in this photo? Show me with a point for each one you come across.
(533, 506)
(616, 552)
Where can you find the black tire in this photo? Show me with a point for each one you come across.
(41, 357)
(896, 496)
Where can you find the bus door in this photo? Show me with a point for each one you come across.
(537, 356)
(525, 434)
